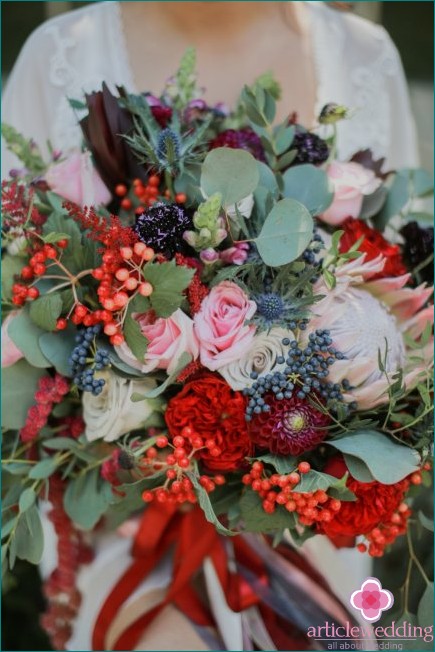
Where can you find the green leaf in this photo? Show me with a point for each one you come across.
(183, 361)
(19, 384)
(11, 267)
(358, 469)
(25, 334)
(373, 448)
(425, 521)
(61, 443)
(310, 186)
(287, 159)
(232, 172)
(8, 527)
(27, 499)
(286, 233)
(207, 507)
(55, 237)
(280, 463)
(169, 282)
(56, 202)
(283, 138)
(426, 607)
(29, 536)
(255, 519)
(86, 499)
(267, 179)
(373, 203)
(57, 348)
(137, 343)
(45, 311)
(314, 480)
(43, 469)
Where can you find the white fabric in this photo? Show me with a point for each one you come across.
(357, 65)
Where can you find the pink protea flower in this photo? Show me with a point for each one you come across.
(366, 317)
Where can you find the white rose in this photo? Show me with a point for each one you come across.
(112, 413)
(261, 358)
(244, 206)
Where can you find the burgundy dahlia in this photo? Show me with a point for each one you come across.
(291, 427)
(240, 139)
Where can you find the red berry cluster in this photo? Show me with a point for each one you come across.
(121, 278)
(50, 391)
(36, 268)
(276, 489)
(60, 588)
(387, 532)
(146, 193)
(178, 488)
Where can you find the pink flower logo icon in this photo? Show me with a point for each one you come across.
(371, 599)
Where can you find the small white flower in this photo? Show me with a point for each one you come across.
(112, 413)
(244, 206)
(261, 358)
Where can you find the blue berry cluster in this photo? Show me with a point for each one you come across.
(84, 363)
(305, 373)
(316, 244)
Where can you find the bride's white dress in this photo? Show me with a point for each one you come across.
(356, 65)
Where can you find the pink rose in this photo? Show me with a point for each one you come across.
(351, 181)
(76, 179)
(10, 351)
(220, 325)
(168, 339)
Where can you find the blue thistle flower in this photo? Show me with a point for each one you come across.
(168, 146)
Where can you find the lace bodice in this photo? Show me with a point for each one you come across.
(356, 64)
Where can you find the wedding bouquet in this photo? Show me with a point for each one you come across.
(213, 321)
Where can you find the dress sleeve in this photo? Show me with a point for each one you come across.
(403, 142)
(26, 101)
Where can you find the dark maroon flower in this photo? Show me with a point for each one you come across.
(103, 128)
(161, 112)
(240, 139)
(291, 427)
(310, 148)
(418, 248)
(162, 226)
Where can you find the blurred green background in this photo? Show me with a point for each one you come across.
(411, 27)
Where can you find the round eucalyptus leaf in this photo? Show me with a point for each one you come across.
(286, 233)
(310, 186)
(232, 172)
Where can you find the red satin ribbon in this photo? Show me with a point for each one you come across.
(194, 539)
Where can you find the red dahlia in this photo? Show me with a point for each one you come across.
(375, 504)
(215, 412)
(240, 139)
(291, 427)
(373, 244)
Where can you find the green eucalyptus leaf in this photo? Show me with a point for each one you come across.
(425, 608)
(314, 480)
(29, 536)
(286, 232)
(55, 237)
(86, 499)
(25, 334)
(232, 172)
(284, 137)
(267, 179)
(373, 203)
(57, 348)
(43, 469)
(207, 507)
(19, 384)
(425, 521)
(310, 186)
(27, 499)
(374, 448)
(45, 311)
